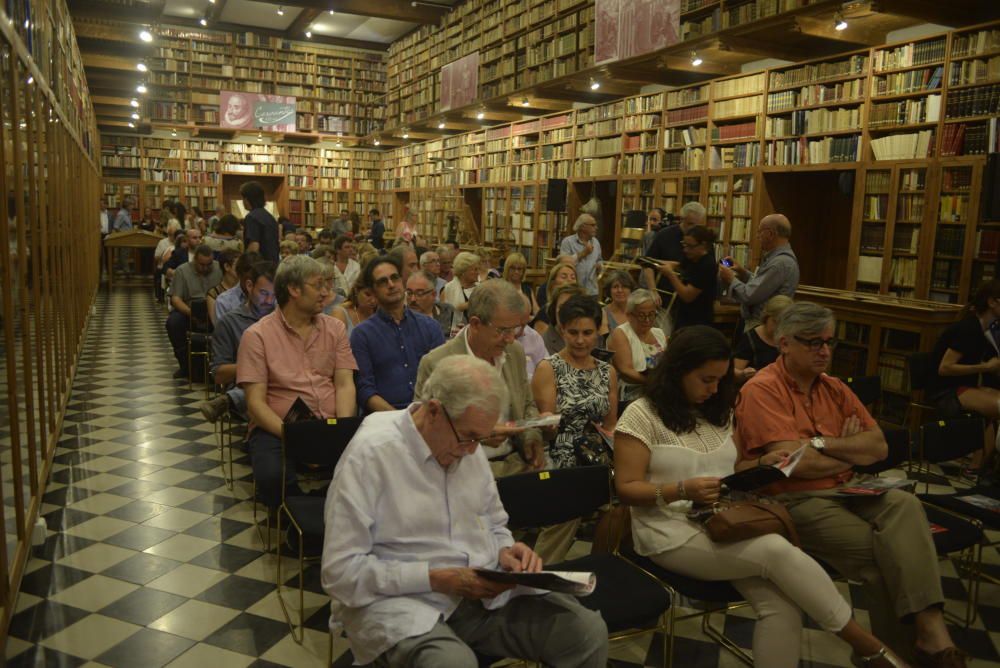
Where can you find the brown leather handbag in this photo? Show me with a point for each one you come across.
(729, 521)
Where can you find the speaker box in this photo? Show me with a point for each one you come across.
(991, 189)
(635, 219)
(555, 199)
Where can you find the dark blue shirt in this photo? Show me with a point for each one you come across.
(376, 234)
(388, 355)
(260, 226)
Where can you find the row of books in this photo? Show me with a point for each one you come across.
(877, 182)
(910, 81)
(910, 209)
(906, 112)
(904, 146)
(740, 86)
(814, 121)
(974, 71)
(969, 139)
(741, 106)
(946, 274)
(740, 155)
(876, 207)
(949, 241)
(804, 151)
(735, 131)
(688, 114)
(903, 272)
(908, 55)
(987, 244)
(681, 137)
(969, 44)
(814, 73)
(978, 101)
(892, 372)
(905, 238)
(873, 238)
(952, 208)
(844, 91)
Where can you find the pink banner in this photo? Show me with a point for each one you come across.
(255, 111)
(460, 82)
(628, 28)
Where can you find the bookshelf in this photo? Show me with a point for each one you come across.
(599, 140)
(685, 139)
(905, 228)
(874, 225)
(972, 100)
(954, 232)
(734, 127)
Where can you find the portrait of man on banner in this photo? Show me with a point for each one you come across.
(246, 111)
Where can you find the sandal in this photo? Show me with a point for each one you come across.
(881, 659)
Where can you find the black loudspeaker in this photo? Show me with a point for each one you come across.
(635, 219)
(991, 189)
(555, 199)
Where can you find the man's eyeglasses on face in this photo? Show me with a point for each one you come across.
(814, 345)
(512, 332)
(420, 293)
(461, 442)
(319, 286)
(386, 280)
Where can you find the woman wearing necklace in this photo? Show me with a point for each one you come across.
(360, 306)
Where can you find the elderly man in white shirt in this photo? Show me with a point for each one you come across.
(585, 247)
(411, 511)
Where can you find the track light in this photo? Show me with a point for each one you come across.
(145, 35)
(525, 102)
(441, 125)
(141, 66)
(141, 88)
(309, 34)
(173, 132)
(134, 102)
(331, 12)
(594, 84)
(30, 80)
(696, 59)
(131, 124)
(281, 10)
(839, 23)
(481, 114)
(406, 134)
(135, 116)
(203, 21)
(377, 141)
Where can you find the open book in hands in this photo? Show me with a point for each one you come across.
(565, 582)
(752, 479)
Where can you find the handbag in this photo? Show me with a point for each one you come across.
(729, 521)
(591, 448)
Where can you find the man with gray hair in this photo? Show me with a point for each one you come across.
(587, 251)
(411, 512)
(496, 316)
(777, 274)
(295, 352)
(881, 541)
(668, 244)
(192, 281)
(430, 261)
(406, 257)
(446, 255)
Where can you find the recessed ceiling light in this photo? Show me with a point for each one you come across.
(135, 116)
(203, 21)
(134, 102)
(131, 124)
(141, 66)
(525, 102)
(141, 88)
(146, 36)
(377, 140)
(309, 34)
(406, 135)
(481, 114)
(839, 23)
(594, 84)
(696, 59)
(441, 125)
(31, 80)
(281, 11)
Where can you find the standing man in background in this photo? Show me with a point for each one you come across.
(260, 229)
(587, 250)
(123, 223)
(377, 231)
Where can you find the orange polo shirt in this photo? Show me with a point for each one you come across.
(771, 408)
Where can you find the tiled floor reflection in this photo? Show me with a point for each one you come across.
(151, 561)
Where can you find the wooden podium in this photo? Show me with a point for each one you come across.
(132, 239)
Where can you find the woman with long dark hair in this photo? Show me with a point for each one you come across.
(672, 447)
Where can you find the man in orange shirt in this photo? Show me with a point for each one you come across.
(882, 541)
(295, 352)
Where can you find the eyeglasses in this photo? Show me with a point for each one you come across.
(386, 280)
(420, 293)
(319, 286)
(644, 317)
(814, 345)
(461, 442)
(514, 331)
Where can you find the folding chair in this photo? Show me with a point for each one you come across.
(199, 334)
(900, 451)
(948, 440)
(630, 600)
(309, 443)
(868, 390)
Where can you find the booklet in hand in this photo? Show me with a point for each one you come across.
(577, 583)
(299, 412)
(749, 480)
(546, 421)
(981, 501)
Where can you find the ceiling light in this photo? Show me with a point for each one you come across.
(331, 12)
(173, 133)
(141, 66)
(211, 2)
(135, 116)
(309, 34)
(131, 124)
(145, 35)
(260, 136)
(481, 114)
(696, 59)
(839, 23)
(203, 21)
(525, 102)
(406, 134)
(594, 84)
(377, 141)
(31, 80)
(281, 10)
(441, 125)
(134, 102)
(141, 88)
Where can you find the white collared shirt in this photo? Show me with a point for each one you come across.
(392, 514)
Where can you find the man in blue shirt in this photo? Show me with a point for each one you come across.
(260, 229)
(236, 296)
(123, 223)
(587, 250)
(378, 229)
(389, 345)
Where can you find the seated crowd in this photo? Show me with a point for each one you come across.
(445, 354)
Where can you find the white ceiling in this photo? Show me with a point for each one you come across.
(265, 15)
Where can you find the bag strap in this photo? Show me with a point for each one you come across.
(784, 518)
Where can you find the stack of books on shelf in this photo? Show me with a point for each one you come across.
(969, 138)
(905, 146)
(906, 112)
(987, 244)
(908, 55)
(969, 102)
(949, 241)
(814, 151)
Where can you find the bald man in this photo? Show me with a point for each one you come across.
(778, 273)
(587, 251)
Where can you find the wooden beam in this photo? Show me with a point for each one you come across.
(215, 11)
(150, 11)
(400, 10)
(743, 44)
(952, 14)
(298, 27)
(860, 33)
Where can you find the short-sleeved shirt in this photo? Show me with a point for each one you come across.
(704, 275)
(227, 335)
(754, 349)
(260, 226)
(586, 267)
(272, 352)
(772, 408)
(667, 244)
(188, 284)
(967, 338)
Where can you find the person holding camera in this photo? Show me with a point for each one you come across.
(694, 278)
(777, 273)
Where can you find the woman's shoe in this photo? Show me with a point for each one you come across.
(881, 659)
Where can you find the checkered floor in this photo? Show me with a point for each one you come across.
(152, 561)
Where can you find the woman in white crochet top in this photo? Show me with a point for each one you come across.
(672, 446)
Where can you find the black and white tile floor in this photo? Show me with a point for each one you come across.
(152, 561)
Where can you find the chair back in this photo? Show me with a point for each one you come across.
(200, 321)
(319, 442)
(919, 367)
(867, 388)
(899, 444)
(543, 498)
(945, 440)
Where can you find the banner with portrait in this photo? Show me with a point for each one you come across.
(460, 82)
(256, 111)
(628, 28)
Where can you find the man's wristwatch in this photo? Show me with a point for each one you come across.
(818, 442)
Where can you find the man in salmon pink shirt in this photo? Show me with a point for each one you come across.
(295, 352)
(883, 541)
